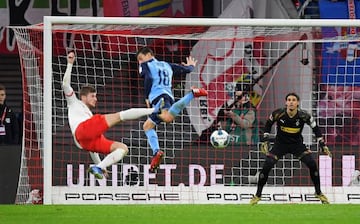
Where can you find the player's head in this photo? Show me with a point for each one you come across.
(2, 94)
(88, 96)
(292, 101)
(144, 55)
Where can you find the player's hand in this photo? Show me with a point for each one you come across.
(71, 57)
(190, 61)
(324, 147)
(264, 147)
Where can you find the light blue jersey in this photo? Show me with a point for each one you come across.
(158, 81)
(158, 77)
(161, 74)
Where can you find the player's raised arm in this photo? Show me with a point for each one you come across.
(184, 67)
(67, 76)
(190, 61)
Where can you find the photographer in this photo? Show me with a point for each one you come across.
(240, 118)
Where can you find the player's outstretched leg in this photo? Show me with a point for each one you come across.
(96, 171)
(177, 107)
(322, 198)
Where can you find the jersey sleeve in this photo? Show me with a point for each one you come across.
(270, 121)
(181, 69)
(309, 120)
(68, 90)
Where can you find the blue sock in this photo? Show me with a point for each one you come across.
(153, 140)
(177, 107)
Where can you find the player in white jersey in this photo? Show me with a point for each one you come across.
(87, 129)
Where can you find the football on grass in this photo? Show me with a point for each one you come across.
(219, 139)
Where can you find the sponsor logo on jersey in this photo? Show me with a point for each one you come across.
(290, 130)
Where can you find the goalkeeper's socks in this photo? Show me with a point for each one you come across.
(112, 158)
(177, 107)
(153, 140)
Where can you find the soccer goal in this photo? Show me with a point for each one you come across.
(246, 65)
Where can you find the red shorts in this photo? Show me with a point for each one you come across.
(89, 135)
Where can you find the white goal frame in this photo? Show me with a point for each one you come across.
(47, 41)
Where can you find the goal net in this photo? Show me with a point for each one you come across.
(247, 67)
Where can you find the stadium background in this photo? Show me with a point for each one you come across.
(347, 140)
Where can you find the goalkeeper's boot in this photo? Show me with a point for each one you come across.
(255, 200)
(322, 198)
(159, 105)
(199, 92)
(96, 171)
(156, 160)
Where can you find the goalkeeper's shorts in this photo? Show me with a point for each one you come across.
(280, 150)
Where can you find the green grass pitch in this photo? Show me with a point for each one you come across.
(184, 214)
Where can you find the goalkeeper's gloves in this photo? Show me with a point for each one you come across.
(324, 147)
(265, 145)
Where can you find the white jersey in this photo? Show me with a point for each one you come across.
(78, 112)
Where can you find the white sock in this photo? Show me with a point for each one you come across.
(95, 157)
(135, 113)
(112, 158)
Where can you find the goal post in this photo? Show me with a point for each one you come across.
(47, 192)
(264, 58)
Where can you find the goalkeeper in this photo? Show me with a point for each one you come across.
(88, 129)
(290, 123)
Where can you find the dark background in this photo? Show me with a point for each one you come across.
(9, 172)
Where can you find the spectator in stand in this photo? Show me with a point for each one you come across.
(9, 126)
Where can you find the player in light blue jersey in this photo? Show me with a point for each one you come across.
(158, 85)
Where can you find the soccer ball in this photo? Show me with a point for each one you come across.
(219, 139)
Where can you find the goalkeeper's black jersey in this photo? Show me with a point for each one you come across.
(289, 129)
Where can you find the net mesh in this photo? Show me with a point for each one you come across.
(265, 63)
